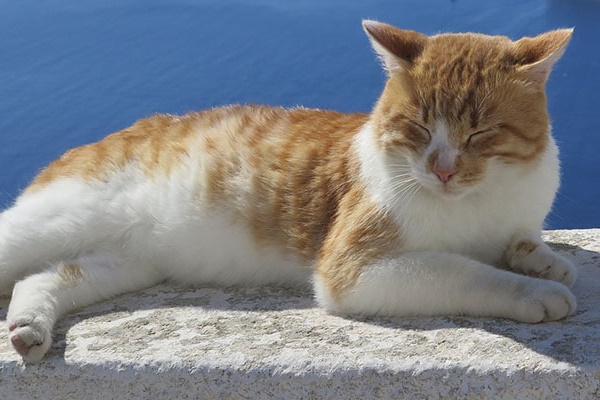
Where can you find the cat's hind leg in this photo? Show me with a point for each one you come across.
(53, 223)
(40, 299)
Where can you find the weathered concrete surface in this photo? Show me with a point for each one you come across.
(173, 343)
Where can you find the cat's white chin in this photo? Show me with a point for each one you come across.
(452, 193)
(447, 191)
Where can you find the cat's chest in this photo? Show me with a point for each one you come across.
(471, 229)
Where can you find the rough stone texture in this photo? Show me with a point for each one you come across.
(272, 343)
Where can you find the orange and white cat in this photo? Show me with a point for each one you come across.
(432, 204)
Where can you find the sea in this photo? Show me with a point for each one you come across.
(72, 71)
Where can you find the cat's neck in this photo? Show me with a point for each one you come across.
(373, 170)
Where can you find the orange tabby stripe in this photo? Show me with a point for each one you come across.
(362, 234)
(285, 173)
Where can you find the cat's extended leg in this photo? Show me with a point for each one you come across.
(433, 283)
(39, 300)
(529, 255)
(54, 223)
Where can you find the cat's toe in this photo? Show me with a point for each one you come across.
(19, 345)
(555, 268)
(30, 339)
(547, 265)
(562, 271)
(546, 301)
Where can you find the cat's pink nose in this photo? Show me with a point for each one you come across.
(444, 174)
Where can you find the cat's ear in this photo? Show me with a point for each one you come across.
(397, 48)
(536, 56)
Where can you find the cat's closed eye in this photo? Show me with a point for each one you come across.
(479, 136)
(422, 129)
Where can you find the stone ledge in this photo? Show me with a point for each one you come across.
(272, 343)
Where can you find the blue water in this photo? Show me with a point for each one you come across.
(72, 71)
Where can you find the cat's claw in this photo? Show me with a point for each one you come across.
(543, 300)
(30, 338)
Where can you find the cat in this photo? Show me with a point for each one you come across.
(432, 204)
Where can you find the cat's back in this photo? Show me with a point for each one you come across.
(158, 145)
(155, 145)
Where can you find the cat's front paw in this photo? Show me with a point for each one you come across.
(539, 261)
(31, 338)
(541, 300)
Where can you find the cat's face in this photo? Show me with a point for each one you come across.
(459, 108)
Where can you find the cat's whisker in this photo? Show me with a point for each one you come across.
(416, 190)
(406, 194)
(402, 173)
(403, 185)
(400, 180)
(400, 190)
(399, 169)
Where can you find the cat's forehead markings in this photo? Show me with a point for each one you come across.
(440, 144)
(440, 134)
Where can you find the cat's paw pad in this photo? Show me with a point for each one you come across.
(30, 338)
(544, 301)
(543, 263)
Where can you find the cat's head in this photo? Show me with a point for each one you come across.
(458, 107)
